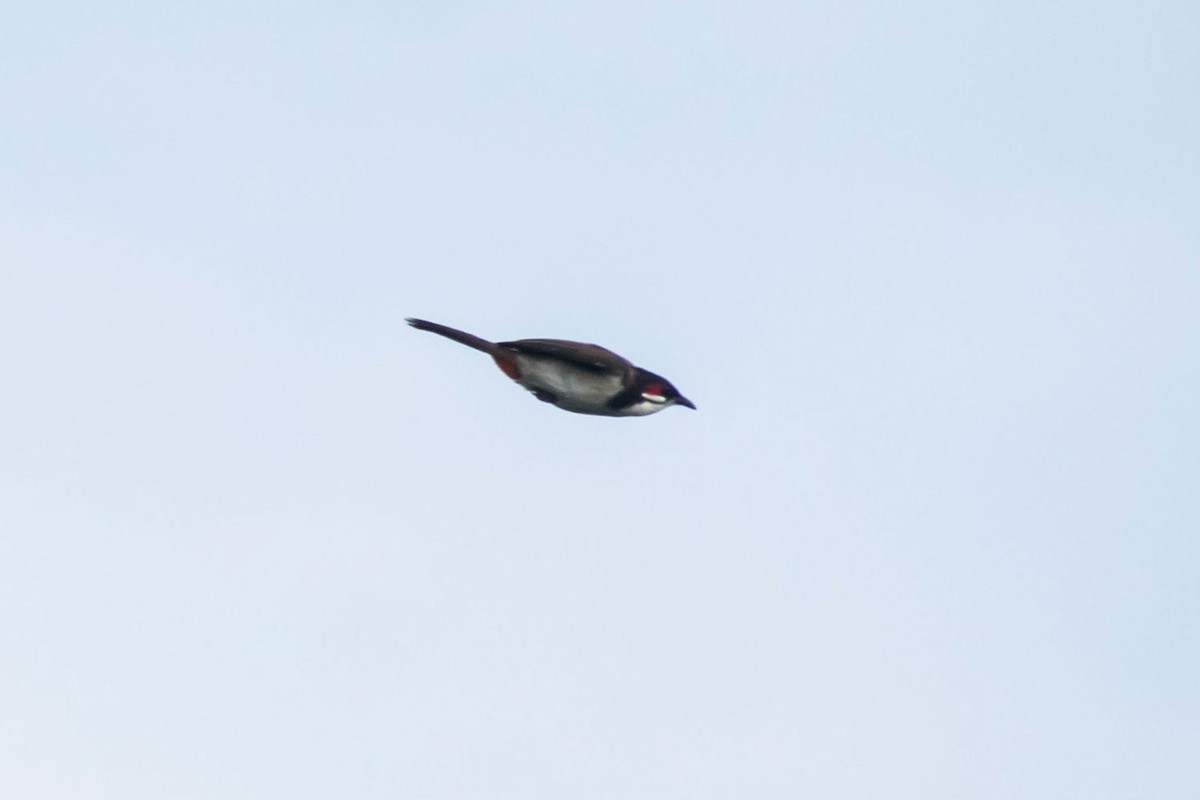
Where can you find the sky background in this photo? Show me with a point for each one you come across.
(930, 271)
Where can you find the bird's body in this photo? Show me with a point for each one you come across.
(577, 377)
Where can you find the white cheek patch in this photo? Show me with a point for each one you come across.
(653, 398)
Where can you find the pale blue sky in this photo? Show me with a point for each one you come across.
(930, 271)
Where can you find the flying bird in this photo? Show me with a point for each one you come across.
(583, 378)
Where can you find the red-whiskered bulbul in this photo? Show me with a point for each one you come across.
(584, 378)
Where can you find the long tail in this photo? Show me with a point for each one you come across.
(451, 333)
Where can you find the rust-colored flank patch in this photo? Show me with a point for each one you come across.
(508, 365)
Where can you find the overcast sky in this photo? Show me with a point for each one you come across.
(929, 270)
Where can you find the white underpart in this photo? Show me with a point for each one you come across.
(577, 389)
(580, 390)
(644, 407)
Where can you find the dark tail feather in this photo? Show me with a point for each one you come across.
(450, 333)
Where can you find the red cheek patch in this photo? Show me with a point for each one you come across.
(508, 365)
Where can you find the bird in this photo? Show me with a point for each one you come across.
(577, 377)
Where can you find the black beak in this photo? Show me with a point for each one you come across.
(683, 401)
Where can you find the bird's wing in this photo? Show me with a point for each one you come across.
(589, 356)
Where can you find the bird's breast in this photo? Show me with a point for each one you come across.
(576, 388)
